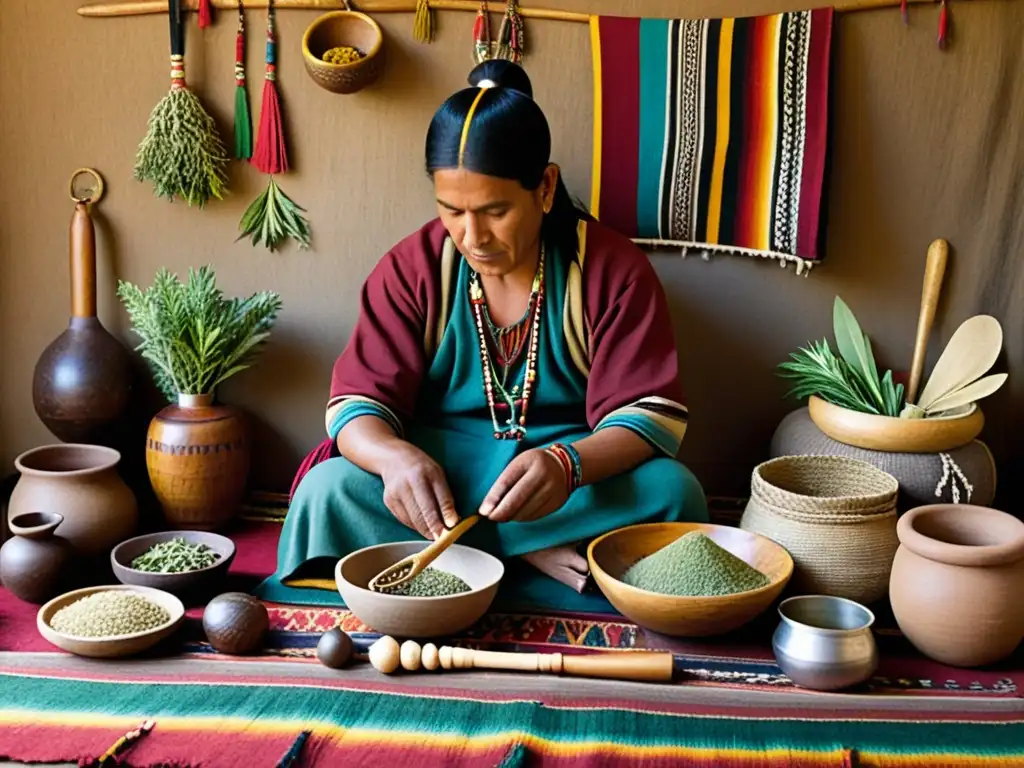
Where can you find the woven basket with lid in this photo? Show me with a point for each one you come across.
(835, 515)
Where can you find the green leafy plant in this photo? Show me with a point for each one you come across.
(272, 218)
(849, 379)
(192, 337)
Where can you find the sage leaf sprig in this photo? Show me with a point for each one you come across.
(272, 218)
(849, 380)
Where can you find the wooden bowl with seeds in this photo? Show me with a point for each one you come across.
(164, 550)
(409, 616)
(610, 556)
(144, 617)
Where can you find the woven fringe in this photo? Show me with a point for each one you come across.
(835, 516)
(803, 266)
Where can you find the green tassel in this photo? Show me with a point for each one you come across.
(243, 124)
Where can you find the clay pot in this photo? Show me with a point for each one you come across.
(81, 483)
(33, 563)
(82, 384)
(956, 581)
(197, 454)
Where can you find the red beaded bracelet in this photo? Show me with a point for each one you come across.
(569, 458)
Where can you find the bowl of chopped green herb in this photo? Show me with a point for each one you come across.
(179, 562)
(448, 596)
(689, 579)
(109, 621)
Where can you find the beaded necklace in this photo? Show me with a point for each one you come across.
(513, 429)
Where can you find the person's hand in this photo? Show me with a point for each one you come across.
(533, 485)
(416, 492)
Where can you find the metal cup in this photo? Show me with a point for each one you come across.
(825, 643)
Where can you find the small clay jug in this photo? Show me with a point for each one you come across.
(197, 454)
(956, 582)
(82, 384)
(33, 564)
(81, 483)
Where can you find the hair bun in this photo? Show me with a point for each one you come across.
(501, 74)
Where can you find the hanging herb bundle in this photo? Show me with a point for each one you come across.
(273, 217)
(182, 153)
(243, 120)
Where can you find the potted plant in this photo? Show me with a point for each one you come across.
(850, 402)
(194, 339)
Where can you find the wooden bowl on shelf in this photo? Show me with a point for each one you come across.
(612, 554)
(344, 28)
(894, 435)
(116, 645)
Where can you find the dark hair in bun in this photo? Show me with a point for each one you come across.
(508, 138)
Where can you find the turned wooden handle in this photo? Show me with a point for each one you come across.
(934, 271)
(83, 263)
(642, 666)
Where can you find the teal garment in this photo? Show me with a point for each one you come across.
(338, 508)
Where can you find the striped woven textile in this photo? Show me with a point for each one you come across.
(711, 134)
(252, 721)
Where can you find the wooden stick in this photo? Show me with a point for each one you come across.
(142, 7)
(934, 270)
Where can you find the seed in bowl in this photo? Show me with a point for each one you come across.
(175, 556)
(694, 566)
(108, 614)
(431, 582)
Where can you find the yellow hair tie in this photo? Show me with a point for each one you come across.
(465, 126)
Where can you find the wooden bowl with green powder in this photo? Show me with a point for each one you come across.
(110, 621)
(689, 579)
(450, 595)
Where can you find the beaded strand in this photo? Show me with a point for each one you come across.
(569, 458)
(478, 303)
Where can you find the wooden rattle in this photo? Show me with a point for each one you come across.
(643, 666)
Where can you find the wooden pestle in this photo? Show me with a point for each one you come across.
(641, 666)
(934, 270)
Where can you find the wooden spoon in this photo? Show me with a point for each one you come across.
(408, 568)
(934, 270)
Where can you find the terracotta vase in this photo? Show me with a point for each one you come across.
(956, 582)
(33, 564)
(82, 384)
(197, 454)
(80, 483)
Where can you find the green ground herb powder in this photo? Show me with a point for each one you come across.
(432, 583)
(694, 566)
(106, 614)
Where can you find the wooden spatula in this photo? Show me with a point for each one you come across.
(934, 270)
(408, 568)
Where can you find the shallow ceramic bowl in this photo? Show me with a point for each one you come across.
(413, 617)
(116, 646)
(612, 554)
(887, 433)
(189, 582)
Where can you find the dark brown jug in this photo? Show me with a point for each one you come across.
(33, 564)
(82, 384)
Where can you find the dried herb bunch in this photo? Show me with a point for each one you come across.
(849, 380)
(192, 337)
(182, 153)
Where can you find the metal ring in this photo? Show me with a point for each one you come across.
(97, 192)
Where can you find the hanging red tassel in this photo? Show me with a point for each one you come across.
(482, 34)
(904, 11)
(943, 25)
(270, 156)
(205, 17)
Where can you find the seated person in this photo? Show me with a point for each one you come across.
(513, 358)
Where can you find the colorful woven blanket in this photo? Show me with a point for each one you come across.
(711, 134)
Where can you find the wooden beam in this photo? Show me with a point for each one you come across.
(141, 7)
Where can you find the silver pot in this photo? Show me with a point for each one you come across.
(825, 643)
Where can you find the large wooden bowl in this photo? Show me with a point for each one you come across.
(894, 435)
(612, 554)
(116, 646)
(415, 617)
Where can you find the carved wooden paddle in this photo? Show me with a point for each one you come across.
(408, 568)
